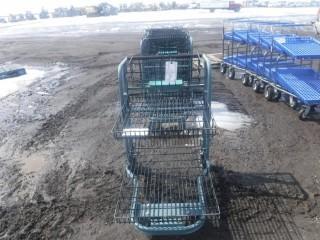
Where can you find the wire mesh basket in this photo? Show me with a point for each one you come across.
(160, 200)
(158, 107)
(166, 41)
(186, 155)
(168, 192)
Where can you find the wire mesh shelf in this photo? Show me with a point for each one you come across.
(158, 197)
(164, 117)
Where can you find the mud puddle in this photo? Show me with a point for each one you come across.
(33, 164)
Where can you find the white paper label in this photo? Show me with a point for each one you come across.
(171, 71)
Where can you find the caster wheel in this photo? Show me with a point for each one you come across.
(223, 68)
(268, 93)
(276, 95)
(245, 80)
(231, 73)
(292, 102)
(302, 114)
(256, 86)
(251, 80)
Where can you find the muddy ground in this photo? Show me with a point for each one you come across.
(60, 167)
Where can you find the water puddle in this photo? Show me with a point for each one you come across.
(34, 164)
(11, 85)
(228, 120)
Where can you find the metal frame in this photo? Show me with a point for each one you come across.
(168, 186)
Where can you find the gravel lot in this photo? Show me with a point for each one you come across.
(60, 167)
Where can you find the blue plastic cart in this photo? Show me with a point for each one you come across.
(279, 63)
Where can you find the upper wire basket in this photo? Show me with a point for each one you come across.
(170, 97)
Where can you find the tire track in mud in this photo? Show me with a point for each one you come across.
(58, 218)
(56, 123)
(223, 95)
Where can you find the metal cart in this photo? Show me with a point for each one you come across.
(166, 126)
(166, 41)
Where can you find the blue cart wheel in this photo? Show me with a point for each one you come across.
(276, 95)
(268, 92)
(251, 80)
(302, 114)
(256, 86)
(245, 80)
(293, 102)
(223, 68)
(231, 73)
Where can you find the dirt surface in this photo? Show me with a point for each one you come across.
(60, 167)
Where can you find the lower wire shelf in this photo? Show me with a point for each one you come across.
(162, 202)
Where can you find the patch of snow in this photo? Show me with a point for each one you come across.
(138, 21)
(228, 120)
(115, 29)
(11, 85)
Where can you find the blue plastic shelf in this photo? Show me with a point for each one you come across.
(255, 38)
(243, 34)
(298, 47)
(265, 39)
(230, 36)
(302, 82)
(239, 35)
(239, 61)
(266, 68)
(243, 61)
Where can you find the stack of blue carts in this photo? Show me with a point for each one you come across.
(275, 62)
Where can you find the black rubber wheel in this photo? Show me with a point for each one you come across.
(223, 68)
(245, 80)
(302, 114)
(268, 92)
(251, 80)
(231, 73)
(256, 86)
(293, 102)
(276, 96)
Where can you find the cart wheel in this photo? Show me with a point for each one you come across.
(231, 73)
(245, 79)
(223, 68)
(251, 80)
(302, 114)
(292, 102)
(256, 86)
(268, 92)
(276, 95)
